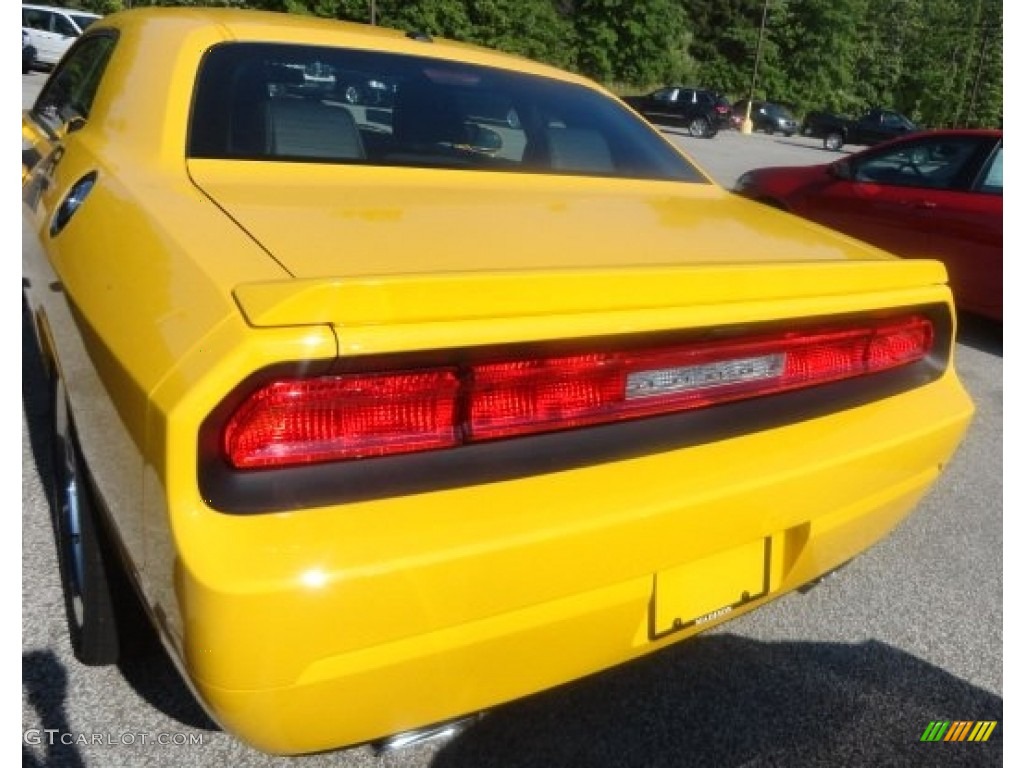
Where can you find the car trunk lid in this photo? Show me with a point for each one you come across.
(374, 246)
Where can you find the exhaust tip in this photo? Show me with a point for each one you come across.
(445, 730)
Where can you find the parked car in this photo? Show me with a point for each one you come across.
(814, 121)
(935, 194)
(701, 111)
(388, 424)
(319, 80)
(52, 30)
(28, 53)
(370, 91)
(873, 127)
(766, 116)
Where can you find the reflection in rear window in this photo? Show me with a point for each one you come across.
(302, 103)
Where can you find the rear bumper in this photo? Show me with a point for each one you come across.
(329, 627)
(365, 695)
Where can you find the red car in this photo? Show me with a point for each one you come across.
(936, 194)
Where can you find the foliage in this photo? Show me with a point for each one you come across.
(938, 61)
(632, 42)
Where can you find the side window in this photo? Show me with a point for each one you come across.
(36, 19)
(933, 164)
(82, 22)
(62, 26)
(70, 91)
(992, 180)
(665, 94)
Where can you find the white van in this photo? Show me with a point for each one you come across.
(53, 30)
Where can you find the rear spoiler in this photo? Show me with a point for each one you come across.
(453, 297)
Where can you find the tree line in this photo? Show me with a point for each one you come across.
(940, 62)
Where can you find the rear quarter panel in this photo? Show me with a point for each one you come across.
(124, 292)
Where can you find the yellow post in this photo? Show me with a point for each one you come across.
(748, 126)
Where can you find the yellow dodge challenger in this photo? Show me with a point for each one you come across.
(395, 378)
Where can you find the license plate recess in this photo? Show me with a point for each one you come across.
(707, 589)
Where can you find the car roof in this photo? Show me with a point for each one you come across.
(74, 11)
(937, 133)
(689, 88)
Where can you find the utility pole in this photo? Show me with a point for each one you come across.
(986, 31)
(748, 125)
(373, 12)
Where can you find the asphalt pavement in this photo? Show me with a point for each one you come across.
(849, 674)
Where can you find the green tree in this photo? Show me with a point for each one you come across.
(634, 43)
(939, 61)
(531, 28)
(723, 43)
(818, 48)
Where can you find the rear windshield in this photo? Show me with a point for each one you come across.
(267, 102)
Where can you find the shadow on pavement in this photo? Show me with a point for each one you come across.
(149, 671)
(830, 154)
(724, 700)
(46, 686)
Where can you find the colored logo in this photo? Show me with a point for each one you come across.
(959, 730)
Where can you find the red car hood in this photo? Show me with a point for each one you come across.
(783, 180)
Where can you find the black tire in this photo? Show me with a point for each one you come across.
(834, 140)
(701, 128)
(94, 586)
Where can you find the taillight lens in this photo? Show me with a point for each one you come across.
(343, 417)
(353, 416)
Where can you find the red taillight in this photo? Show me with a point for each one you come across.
(556, 393)
(377, 414)
(540, 395)
(343, 417)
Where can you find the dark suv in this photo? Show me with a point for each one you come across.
(766, 116)
(702, 111)
(873, 127)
